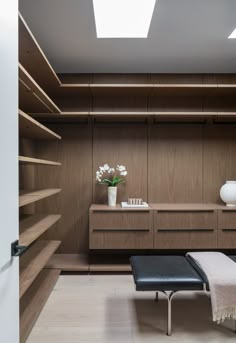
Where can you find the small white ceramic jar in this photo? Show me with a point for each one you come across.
(228, 193)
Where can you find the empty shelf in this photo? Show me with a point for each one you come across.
(31, 96)
(32, 227)
(33, 261)
(34, 299)
(31, 128)
(35, 161)
(27, 197)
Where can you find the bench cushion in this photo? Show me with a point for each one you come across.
(164, 273)
(233, 258)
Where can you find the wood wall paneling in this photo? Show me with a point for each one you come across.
(175, 163)
(124, 145)
(219, 153)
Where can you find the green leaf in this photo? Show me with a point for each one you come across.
(107, 181)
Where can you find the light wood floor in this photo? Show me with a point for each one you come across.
(106, 309)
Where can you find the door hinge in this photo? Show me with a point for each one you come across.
(16, 249)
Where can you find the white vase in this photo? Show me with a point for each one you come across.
(228, 193)
(112, 192)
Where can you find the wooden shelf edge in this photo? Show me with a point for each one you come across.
(148, 85)
(33, 226)
(33, 261)
(36, 91)
(31, 128)
(34, 299)
(37, 161)
(124, 114)
(27, 197)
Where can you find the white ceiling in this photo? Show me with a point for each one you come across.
(185, 36)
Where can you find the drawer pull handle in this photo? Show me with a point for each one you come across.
(228, 230)
(121, 230)
(184, 230)
(186, 211)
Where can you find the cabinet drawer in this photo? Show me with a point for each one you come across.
(227, 220)
(185, 238)
(121, 230)
(121, 239)
(227, 239)
(185, 230)
(227, 229)
(200, 220)
(120, 220)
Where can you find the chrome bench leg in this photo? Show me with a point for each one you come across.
(169, 317)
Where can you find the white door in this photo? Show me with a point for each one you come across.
(9, 267)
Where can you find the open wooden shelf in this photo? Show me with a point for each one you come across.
(40, 69)
(36, 161)
(62, 117)
(34, 299)
(32, 98)
(162, 115)
(31, 128)
(33, 226)
(33, 261)
(28, 197)
(144, 89)
(69, 262)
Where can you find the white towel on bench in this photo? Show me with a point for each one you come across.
(221, 274)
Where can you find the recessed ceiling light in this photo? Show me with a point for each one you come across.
(233, 34)
(123, 18)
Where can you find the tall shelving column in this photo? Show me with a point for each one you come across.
(36, 282)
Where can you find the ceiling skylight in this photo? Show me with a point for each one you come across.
(123, 18)
(233, 34)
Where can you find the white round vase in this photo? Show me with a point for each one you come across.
(228, 193)
(112, 192)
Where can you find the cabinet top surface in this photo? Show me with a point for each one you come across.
(165, 207)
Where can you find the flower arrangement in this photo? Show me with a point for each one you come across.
(111, 176)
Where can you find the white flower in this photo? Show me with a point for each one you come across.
(124, 173)
(106, 166)
(98, 179)
(121, 168)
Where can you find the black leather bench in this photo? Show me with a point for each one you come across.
(167, 274)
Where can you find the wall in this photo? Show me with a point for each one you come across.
(166, 163)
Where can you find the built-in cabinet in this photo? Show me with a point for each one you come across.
(163, 226)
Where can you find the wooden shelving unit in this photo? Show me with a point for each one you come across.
(36, 161)
(34, 300)
(33, 226)
(32, 98)
(28, 197)
(33, 261)
(41, 69)
(37, 80)
(31, 128)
